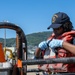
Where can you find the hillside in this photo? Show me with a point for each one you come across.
(32, 39)
(35, 38)
(9, 42)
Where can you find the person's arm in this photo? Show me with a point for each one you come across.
(60, 43)
(69, 47)
(37, 52)
(42, 46)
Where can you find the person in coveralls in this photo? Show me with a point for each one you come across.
(61, 43)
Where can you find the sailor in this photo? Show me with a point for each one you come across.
(61, 43)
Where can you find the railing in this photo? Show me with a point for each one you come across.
(49, 61)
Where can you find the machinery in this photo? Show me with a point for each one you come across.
(16, 63)
(10, 63)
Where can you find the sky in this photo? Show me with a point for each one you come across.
(33, 15)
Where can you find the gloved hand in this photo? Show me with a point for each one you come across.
(43, 45)
(55, 43)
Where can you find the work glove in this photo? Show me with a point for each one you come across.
(43, 45)
(50, 43)
(54, 43)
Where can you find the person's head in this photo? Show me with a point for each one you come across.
(61, 23)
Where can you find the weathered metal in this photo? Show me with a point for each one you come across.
(49, 61)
